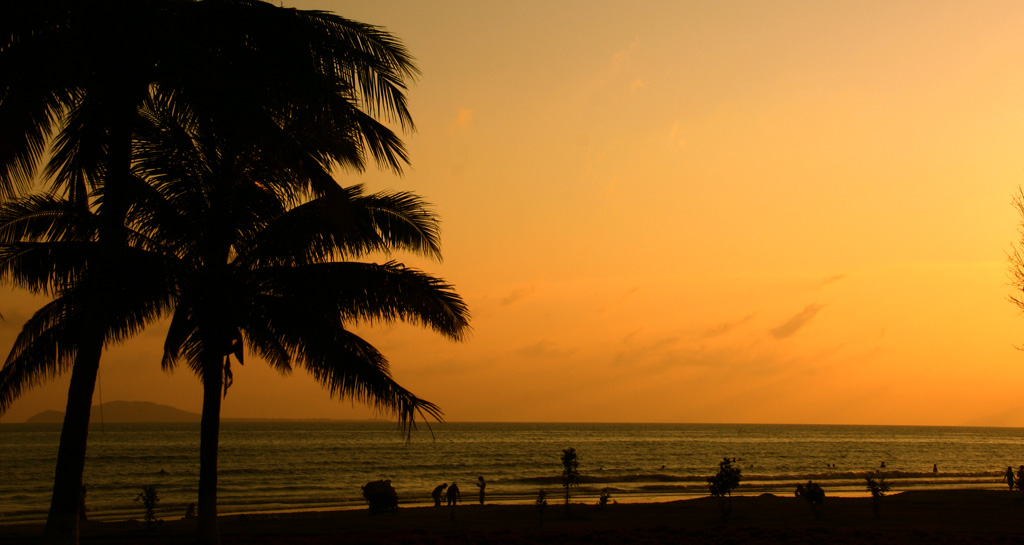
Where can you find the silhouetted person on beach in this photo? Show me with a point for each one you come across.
(1020, 479)
(437, 493)
(883, 465)
(453, 496)
(481, 485)
(1008, 477)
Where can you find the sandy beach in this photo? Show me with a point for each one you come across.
(943, 516)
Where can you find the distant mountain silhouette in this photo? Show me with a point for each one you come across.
(123, 412)
(1009, 418)
(137, 412)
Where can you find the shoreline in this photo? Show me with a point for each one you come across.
(934, 516)
(583, 495)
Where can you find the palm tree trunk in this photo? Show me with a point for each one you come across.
(62, 521)
(209, 437)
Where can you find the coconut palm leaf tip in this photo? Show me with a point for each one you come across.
(345, 224)
(375, 61)
(41, 351)
(330, 76)
(373, 293)
(359, 372)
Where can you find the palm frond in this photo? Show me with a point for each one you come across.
(345, 364)
(373, 60)
(31, 100)
(44, 217)
(44, 348)
(367, 292)
(345, 224)
(45, 267)
(79, 149)
(146, 289)
(27, 121)
(183, 341)
(405, 221)
(349, 367)
(384, 145)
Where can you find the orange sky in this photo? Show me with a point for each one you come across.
(692, 212)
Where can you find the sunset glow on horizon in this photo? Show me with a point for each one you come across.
(736, 212)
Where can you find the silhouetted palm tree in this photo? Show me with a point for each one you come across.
(283, 289)
(74, 73)
(204, 198)
(292, 309)
(65, 67)
(265, 273)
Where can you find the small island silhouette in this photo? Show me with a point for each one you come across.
(124, 412)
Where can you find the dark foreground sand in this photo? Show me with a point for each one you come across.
(931, 517)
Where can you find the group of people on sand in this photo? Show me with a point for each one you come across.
(453, 495)
(1011, 480)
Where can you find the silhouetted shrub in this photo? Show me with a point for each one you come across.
(570, 472)
(149, 498)
(602, 500)
(878, 487)
(380, 496)
(723, 483)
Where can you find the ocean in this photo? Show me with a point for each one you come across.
(283, 466)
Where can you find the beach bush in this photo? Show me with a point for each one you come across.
(602, 500)
(723, 483)
(570, 472)
(149, 498)
(381, 496)
(879, 488)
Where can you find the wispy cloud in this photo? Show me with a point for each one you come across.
(726, 327)
(831, 280)
(643, 354)
(447, 368)
(797, 322)
(544, 349)
(668, 354)
(516, 295)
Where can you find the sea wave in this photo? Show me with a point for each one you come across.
(294, 466)
(926, 477)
